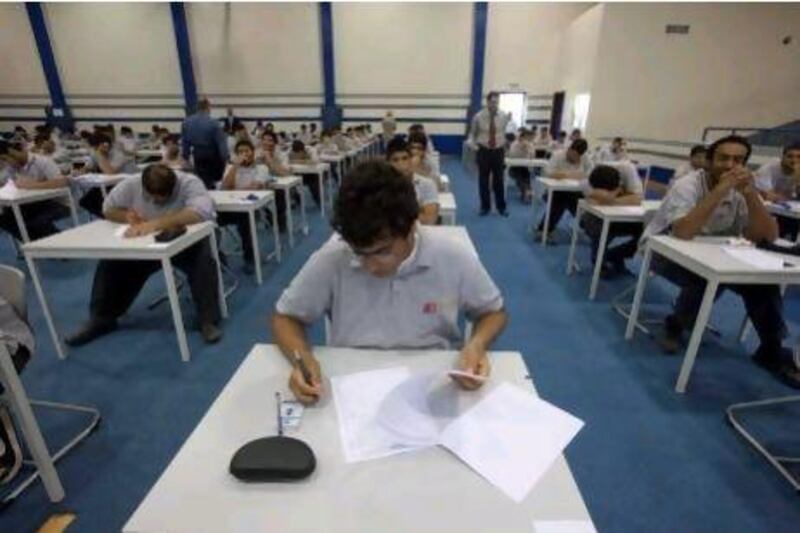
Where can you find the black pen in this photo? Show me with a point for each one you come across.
(303, 368)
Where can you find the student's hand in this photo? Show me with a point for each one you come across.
(141, 229)
(736, 178)
(133, 217)
(306, 393)
(473, 359)
(25, 183)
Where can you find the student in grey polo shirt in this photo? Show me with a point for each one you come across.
(573, 163)
(387, 283)
(31, 171)
(779, 181)
(160, 200)
(613, 184)
(398, 154)
(722, 201)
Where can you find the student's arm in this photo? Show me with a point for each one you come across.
(289, 334)
(119, 215)
(229, 179)
(25, 182)
(473, 131)
(761, 225)
(105, 165)
(627, 199)
(429, 214)
(178, 219)
(690, 225)
(474, 358)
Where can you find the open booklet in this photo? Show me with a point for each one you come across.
(504, 433)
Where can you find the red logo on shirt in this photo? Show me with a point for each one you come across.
(430, 308)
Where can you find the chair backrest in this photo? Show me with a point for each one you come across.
(12, 288)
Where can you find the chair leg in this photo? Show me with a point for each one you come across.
(94, 421)
(777, 462)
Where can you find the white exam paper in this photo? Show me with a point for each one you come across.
(563, 526)
(756, 258)
(511, 438)
(9, 190)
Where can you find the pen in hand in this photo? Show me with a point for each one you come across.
(301, 364)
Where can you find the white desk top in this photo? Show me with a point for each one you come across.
(447, 201)
(706, 257)
(144, 152)
(285, 182)
(313, 168)
(622, 212)
(428, 490)
(26, 196)
(561, 185)
(522, 162)
(332, 158)
(98, 239)
(237, 201)
(96, 180)
(790, 210)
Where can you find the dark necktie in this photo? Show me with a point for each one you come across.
(492, 130)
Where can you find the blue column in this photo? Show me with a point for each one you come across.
(480, 19)
(184, 55)
(331, 114)
(60, 114)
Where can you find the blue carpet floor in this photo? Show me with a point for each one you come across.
(647, 460)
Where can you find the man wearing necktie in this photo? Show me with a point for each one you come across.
(488, 133)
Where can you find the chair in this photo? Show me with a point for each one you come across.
(776, 461)
(12, 288)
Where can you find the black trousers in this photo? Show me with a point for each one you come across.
(491, 161)
(117, 283)
(788, 227)
(92, 201)
(764, 303)
(522, 177)
(312, 182)
(209, 168)
(593, 227)
(39, 219)
(242, 223)
(562, 201)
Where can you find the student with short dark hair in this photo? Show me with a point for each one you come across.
(522, 148)
(613, 183)
(572, 163)
(697, 161)
(171, 153)
(398, 154)
(353, 279)
(31, 171)
(159, 200)
(722, 201)
(779, 181)
(424, 164)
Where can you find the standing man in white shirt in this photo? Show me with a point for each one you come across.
(488, 134)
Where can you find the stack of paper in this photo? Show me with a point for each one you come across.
(504, 433)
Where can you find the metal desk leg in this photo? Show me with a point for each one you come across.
(637, 297)
(321, 181)
(546, 226)
(73, 210)
(30, 429)
(574, 241)
(303, 212)
(37, 284)
(697, 335)
(174, 303)
(23, 231)
(223, 301)
(251, 216)
(289, 216)
(273, 211)
(598, 264)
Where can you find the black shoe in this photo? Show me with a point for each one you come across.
(10, 452)
(483, 212)
(503, 213)
(779, 363)
(248, 268)
(671, 339)
(90, 331)
(210, 332)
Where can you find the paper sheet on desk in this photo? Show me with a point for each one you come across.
(151, 243)
(9, 189)
(756, 258)
(511, 438)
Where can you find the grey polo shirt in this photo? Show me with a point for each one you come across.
(559, 162)
(521, 150)
(770, 177)
(247, 176)
(189, 193)
(630, 181)
(479, 132)
(426, 190)
(416, 308)
(38, 167)
(728, 219)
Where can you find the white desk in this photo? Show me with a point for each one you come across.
(424, 491)
(319, 169)
(103, 181)
(144, 154)
(447, 208)
(238, 202)
(551, 186)
(444, 181)
(512, 162)
(789, 210)
(704, 257)
(14, 199)
(335, 159)
(98, 240)
(609, 214)
(286, 184)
